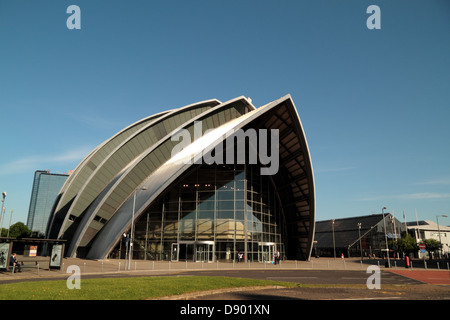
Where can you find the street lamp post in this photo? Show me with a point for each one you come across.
(334, 244)
(3, 203)
(127, 239)
(359, 232)
(439, 232)
(130, 251)
(2, 218)
(1, 212)
(385, 238)
(9, 227)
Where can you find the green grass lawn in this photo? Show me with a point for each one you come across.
(124, 288)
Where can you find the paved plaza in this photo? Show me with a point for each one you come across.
(38, 267)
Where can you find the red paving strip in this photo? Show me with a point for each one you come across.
(431, 277)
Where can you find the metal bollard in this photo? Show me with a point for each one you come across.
(119, 266)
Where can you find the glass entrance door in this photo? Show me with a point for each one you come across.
(205, 251)
(266, 251)
(193, 251)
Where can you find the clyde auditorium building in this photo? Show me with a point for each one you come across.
(148, 183)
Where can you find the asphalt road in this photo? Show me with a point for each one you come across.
(298, 276)
(421, 292)
(312, 276)
(326, 285)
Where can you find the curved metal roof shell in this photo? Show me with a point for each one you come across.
(123, 185)
(82, 172)
(295, 175)
(111, 157)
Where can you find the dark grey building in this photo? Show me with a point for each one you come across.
(349, 235)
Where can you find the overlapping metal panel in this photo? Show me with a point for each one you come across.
(124, 184)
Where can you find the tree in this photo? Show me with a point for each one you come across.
(432, 245)
(408, 244)
(4, 232)
(19, 230)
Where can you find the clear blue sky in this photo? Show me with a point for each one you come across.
(375, 104)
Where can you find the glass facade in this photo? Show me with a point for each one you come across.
(213, 213)
(46, 187)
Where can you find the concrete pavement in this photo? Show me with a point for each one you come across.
(38, 267)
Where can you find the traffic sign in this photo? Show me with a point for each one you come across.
(422, 246)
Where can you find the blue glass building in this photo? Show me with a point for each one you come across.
(46, 187)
